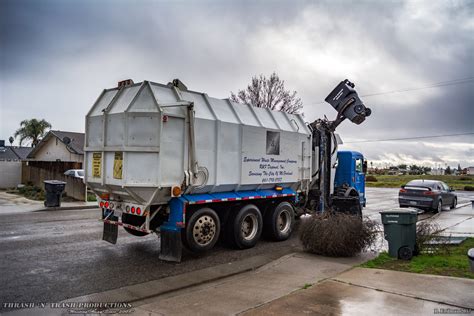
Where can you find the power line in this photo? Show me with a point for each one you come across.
(434, 85)
(430, 86)
(407, 138)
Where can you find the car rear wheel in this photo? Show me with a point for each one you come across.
(439, 207)
(455, 202)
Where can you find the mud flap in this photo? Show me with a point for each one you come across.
(171, 247)
(110, 233)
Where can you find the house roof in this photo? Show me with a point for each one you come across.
(22, 152)
(14, 153)
(76, 145)
(7, 154)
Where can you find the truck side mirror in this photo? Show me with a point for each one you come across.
(364, 167)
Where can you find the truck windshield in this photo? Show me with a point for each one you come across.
(359, 165)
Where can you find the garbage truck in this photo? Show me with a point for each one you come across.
(192, 169)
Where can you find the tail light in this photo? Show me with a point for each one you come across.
(429, 193)
(139, 211)
(133, 209)
(403, 191)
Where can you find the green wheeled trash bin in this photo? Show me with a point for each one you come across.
(54, 190)
(400, 231)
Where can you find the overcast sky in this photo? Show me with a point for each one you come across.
(57, 56)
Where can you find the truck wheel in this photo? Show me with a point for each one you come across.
(202, 230)
(135, 221)
(245, 227)
(278, 223)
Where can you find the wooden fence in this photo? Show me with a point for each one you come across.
(36, 172)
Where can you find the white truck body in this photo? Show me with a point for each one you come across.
(144, 139)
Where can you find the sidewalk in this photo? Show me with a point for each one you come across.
(376, 292)
(12, 203)
(298, 283)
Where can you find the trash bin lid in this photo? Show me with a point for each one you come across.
(406, 211)
(470, 253)
(54, 182)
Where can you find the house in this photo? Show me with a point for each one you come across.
(470, 170)
(56, 153)
(437, 172)
(11, 163)
(60, 146)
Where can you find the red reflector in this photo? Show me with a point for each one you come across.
(101, 204)
(133, 209)
(403, 191)
(139, 211)
(106, 204)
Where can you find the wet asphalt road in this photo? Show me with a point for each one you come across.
(55, 255)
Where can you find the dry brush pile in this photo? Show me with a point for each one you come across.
(337, 234)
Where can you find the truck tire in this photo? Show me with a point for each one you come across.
(244, 228)
(202, 230)
(135, 221)
(278, 222)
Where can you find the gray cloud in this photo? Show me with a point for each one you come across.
(56, 56)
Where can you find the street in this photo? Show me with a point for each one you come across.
(55, 255)
(51, 256)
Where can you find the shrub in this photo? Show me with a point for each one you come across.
(465, 178)
(468, 188)
(337, 234)
(371, 179)
(429, 239)
(31, 192)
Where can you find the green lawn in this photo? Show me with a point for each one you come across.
(388, 181)
(454, 263)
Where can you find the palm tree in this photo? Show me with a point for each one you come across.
(32, 130)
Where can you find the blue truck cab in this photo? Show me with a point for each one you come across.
(351, 171)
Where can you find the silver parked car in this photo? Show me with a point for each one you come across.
(76, 173)
(427, 194)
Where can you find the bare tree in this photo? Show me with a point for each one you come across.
(270, 93)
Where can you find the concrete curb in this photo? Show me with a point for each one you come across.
(151, 289)
(67, 208)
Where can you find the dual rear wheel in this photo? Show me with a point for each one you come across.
(243, 228)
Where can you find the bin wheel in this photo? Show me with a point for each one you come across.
(405, 253)
(202, 230)
(278, 222)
